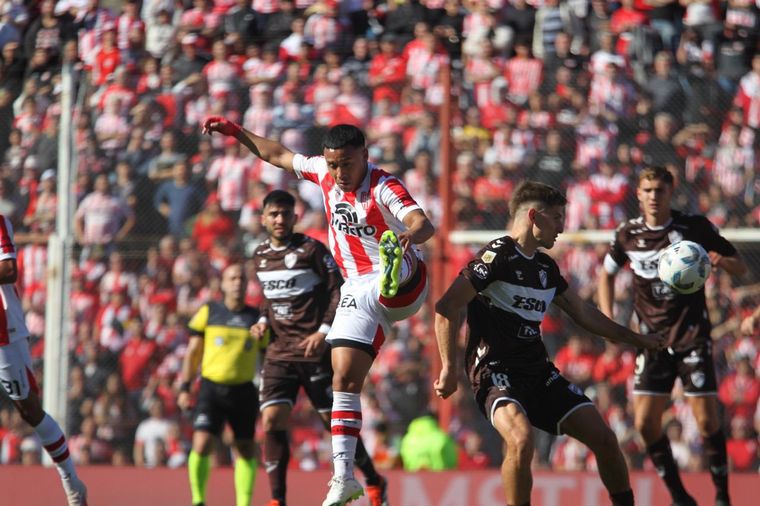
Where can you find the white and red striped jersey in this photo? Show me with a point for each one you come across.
(113, 281)
(733, 168)
(356, 220)
(231, 173)
(103, 215)
(12, 321)
(322, 30)
(748, 98)
(32, 265)
(111, 322)
(222, 76)
(524, 76)
(481, 72)
(124, 25)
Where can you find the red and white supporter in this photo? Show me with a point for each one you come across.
(231, 173)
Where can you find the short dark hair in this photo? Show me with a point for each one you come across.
(341, 136)
(657, 173)
(280, 197)
(533, 191)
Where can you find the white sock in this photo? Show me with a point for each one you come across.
(54, 442)
(345, 426)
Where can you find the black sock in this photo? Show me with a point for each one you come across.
(662, 457)
(364, 463)
(622, 498)
(276, 457)
(715, 450)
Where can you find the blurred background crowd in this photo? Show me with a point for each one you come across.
(579, 94)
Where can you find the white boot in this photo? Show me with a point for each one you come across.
(343, 491)
(76, 492)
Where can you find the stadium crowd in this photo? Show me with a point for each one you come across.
(578, 94)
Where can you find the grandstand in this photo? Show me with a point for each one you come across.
(100, 146)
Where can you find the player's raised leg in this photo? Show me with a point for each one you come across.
(648, 410)
(391, 256)
(587, 426)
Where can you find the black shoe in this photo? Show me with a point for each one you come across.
(687, 501)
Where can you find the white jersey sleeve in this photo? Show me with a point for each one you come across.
(394, 196)
(310, 168)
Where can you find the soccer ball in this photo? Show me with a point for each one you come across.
(684, 266)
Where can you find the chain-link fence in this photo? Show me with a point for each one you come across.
(579, 95)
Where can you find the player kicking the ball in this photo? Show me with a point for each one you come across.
(374, 224)
(684, 320)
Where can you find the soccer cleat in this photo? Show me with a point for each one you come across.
(276, 502)
(343, 491)
(390, 264)
(378, 494)
(76, 492)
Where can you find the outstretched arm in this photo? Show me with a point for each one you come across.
(448, 318)
(591, 319)
(267, 149)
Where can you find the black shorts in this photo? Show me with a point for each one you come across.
(236, 404)
(546, 397)
(656, 371)
(281, 380)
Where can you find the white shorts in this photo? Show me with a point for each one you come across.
(364, 317)
(16, 370)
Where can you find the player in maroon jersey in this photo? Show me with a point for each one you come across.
(683, 318)
(506, 291)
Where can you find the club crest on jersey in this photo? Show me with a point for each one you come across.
(543, 277)
(346, 220)
(364, 200)
(698, 378)
(290, 260)
(675, 236)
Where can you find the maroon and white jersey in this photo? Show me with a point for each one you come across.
(301, 287)
(357, 220)
(514, 291)
(658, 308)
(12, 324)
